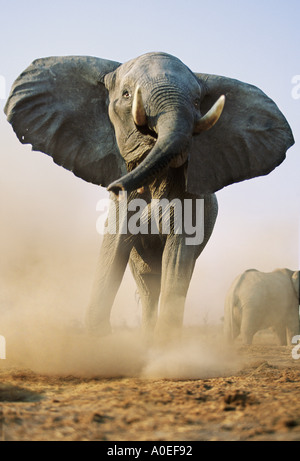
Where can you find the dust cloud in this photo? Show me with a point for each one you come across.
(44, 291)
(45, 347)
(48, 249)
(45, 283)
(43, 325)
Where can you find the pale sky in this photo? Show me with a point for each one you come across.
(254, 41)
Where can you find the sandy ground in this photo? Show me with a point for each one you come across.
(257, 400)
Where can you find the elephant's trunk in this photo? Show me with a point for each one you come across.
(175, 126)
(173, 141)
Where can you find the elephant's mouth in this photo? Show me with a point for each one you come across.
(179, 160)
(154, 164)
(133, 161)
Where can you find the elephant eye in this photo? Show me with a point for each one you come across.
(126, 94)
(197, 104)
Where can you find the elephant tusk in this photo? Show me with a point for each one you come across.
(121, 196)
(211, 117)
(138, 110)
(118, 189)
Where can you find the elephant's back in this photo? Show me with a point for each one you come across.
(246, 279)
(254, 285)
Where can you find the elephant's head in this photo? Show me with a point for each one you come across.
(122, 125)
(155, 109)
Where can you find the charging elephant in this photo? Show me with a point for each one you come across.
(139, 128)
(259, 300)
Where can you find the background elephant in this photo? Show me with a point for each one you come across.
(139, 127)
(259, 300)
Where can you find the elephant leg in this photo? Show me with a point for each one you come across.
(232, 323)
(293, 327)
(248, 326)
(177, 268)
(178, 264)
(281, 332)
(145, 266)
(247, 336)
(113, 258)
(148, 285)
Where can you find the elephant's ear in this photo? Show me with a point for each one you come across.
(250, 138)
(59, 105)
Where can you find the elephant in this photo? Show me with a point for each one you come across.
(148, 129)
(258, 300)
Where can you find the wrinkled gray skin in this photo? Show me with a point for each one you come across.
(79, 110)
(259, 300)
(162, 265)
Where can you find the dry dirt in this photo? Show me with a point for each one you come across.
(259, 400)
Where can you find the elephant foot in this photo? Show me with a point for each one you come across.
(247, 341)
(99, 331)
(147, 338)
(167, 335)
